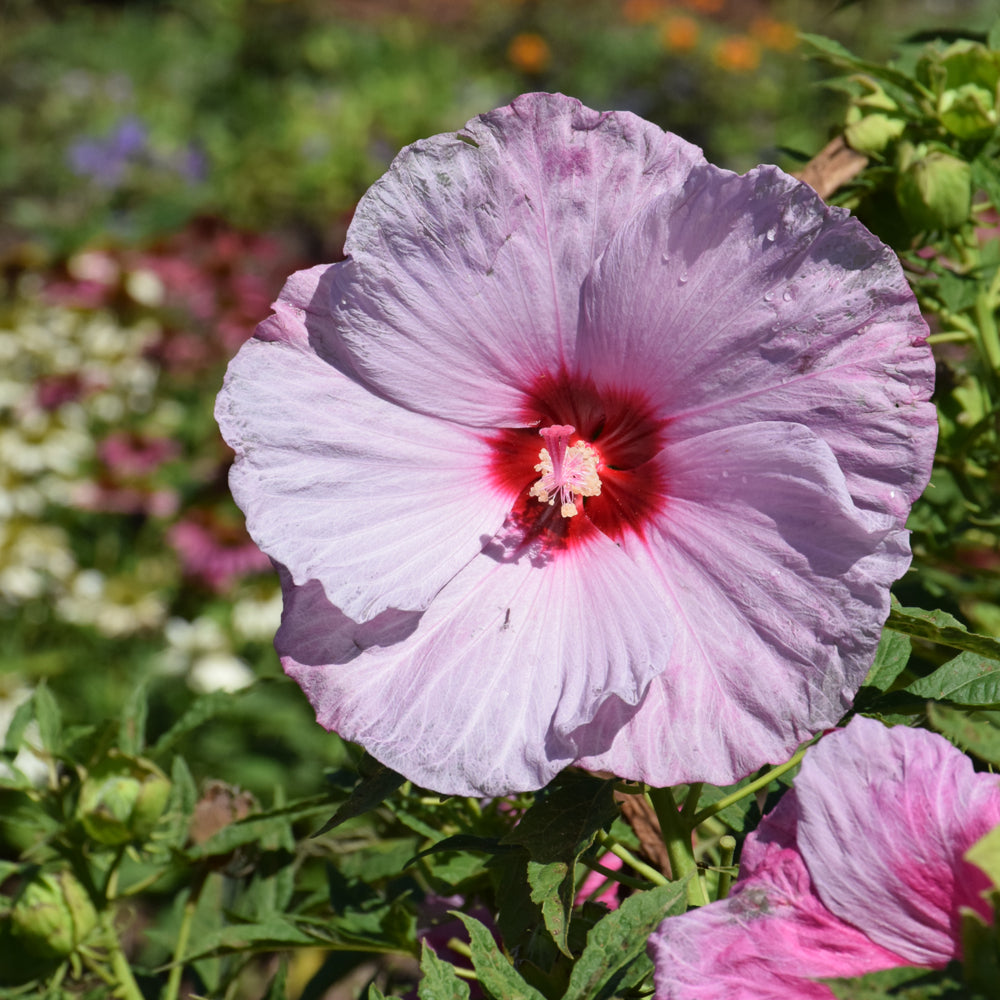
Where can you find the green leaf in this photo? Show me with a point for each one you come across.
(993, 38)
(553, 889)
(370, 792)
(619, 939)
(942, 628)
(891, 657)
(440, 981)
(975, 732)
(268, 935)
(985, 855)
(257, 828)
(23, 714)
(903, 983)
(132, 727)
(840, 56)
(566, 815)
(199, 712)
(49, 718)
(555, 831)
(968, 679)
(498, 977)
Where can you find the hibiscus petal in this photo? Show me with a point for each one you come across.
(748, 299)
(771, 939)
(482, 694)
(468, 255)
(779, 585)
(885, 816)
(343, 487)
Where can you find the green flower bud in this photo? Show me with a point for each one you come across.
(51, 915)
(121, 799)
(968, 112)
(870, 134)
(934, 191)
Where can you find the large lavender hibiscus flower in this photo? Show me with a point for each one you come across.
(589, 452)
(859, 868)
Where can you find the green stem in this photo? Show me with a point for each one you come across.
(676, 830)
(754, 786)
(646, 871)
(128, 988)
(727, 849)
(613, 876)
(173, 987)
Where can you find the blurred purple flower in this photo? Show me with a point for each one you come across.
(859, 868)
(686, 575)
(106, 160)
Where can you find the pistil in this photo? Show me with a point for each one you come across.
(568, 471)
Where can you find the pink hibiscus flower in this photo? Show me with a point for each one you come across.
(589, 452)
(859, 868)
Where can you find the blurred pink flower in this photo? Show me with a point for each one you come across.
(859, 868)
(609, 894)
(686, 574)
(135, 454)
(214, 553)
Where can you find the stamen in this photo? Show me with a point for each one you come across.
(568, 472)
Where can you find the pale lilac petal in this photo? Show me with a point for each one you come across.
(748, 299)
(771, 939)
(343, 487)
(780, 588)
(531, 648)
(885, 817)
(466, 258)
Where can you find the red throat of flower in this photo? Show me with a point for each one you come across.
(597, 461)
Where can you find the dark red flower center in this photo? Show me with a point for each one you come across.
(619, 428)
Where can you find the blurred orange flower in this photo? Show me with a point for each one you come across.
(737, 53)
(707, 6)
(772, 34)
(679, 33)
(642, 11)
(529, 53)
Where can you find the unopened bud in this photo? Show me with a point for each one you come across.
(121, 799)
(934, 192)
(52, 915)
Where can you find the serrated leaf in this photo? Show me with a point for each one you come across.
(941, 627)
(967, 679)
(974, 732)
(440, 981)
(463, 842)
(370, 792)
(267, 935)
(555, 831)
(257, 828)
(891, 657)
(620, 938)
(49, 719)
(843, 57)
(198, 713)
(564, 818)
(902, 983)
(553, 889)
(497, 976)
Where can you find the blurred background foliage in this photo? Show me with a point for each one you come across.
(163, 167)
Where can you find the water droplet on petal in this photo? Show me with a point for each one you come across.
(768, 296)
(770, 235)
(682, 277)
(786, 296)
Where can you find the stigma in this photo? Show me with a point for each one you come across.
(567, 472)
